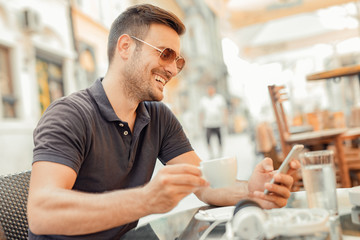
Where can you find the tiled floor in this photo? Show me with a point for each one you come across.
(238, 145)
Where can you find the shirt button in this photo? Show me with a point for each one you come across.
(121, 125)
(126, 133)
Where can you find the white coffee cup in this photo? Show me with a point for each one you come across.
(220, 172)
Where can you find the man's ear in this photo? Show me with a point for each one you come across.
(124, 46)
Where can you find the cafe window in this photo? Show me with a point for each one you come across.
(50, 81)
(8, 99)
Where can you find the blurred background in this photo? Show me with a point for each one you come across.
(49, 49)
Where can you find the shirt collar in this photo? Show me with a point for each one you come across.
(98, 93)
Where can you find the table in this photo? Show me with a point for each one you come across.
(351, 133)
(326, 136)
(183, 225)
(335, 73)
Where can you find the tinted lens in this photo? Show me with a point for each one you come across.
(180, 64)
(168, 55)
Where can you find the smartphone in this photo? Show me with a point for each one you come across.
(284, 167)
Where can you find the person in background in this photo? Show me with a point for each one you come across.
(96, 149)
(213, 115)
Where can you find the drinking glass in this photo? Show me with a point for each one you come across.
(318, 172)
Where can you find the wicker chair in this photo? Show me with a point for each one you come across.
(13, 199)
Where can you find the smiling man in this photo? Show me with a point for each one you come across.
(95, 150)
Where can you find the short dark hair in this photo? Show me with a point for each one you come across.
(136, 21)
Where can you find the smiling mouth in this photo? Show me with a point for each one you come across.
(160, 79)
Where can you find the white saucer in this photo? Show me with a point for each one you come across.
(216, 214)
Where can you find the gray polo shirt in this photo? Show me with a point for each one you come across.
(83, 132)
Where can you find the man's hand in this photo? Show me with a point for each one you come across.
(171, 184)
(279, 191)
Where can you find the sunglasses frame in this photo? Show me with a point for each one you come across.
(162, 54)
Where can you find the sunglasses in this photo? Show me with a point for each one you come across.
(167, 55)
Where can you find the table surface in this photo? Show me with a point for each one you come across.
(335, 73)
(183, 225)
(316, 135)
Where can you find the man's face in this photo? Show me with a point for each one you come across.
(211, 91)
(146, 78)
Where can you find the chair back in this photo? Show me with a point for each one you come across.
(278, 96)
(14, 190)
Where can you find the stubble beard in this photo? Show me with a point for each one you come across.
(139, 86)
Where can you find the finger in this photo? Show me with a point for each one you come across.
(182, 168)
(183, 179)
(266, 165)
(295, 164)
(270, 200)
(180, 190)
(278, 190)
(284, 179)
(190, 180)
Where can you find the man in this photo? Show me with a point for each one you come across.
(95, 150)
(213, 117)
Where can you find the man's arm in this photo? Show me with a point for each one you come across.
(263, 172)
(53, 208)
(219, 197)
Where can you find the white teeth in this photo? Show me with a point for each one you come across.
(160, 79)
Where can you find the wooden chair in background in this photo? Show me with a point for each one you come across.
(352, 154)
(310, 139)
(355, 117)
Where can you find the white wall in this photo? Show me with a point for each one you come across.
(53, 38)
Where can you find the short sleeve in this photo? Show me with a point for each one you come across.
(60, 136)
(174, 141)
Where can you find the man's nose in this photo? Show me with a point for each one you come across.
(172, 68)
